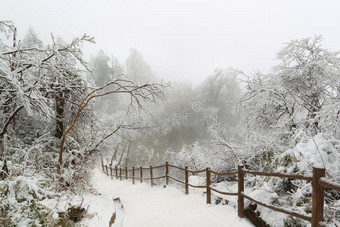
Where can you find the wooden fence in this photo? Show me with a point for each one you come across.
(319, 182)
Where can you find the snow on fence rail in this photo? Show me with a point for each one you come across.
(319, 182)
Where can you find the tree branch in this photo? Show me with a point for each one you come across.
(4, 129)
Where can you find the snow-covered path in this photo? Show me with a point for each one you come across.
(158, 206)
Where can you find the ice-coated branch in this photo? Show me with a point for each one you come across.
(146, 92)
(4, 128)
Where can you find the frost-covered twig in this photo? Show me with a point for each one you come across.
(146, 92)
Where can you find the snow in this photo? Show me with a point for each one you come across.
(318, 151)
(156, 206)
(331, 183)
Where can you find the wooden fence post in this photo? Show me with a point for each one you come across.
(116, 171)
(317, 197)
(208, 180)
(141, 174)
(107, 172)
(103, 165)
(166, 173)
(151, 176)
(120, 173)
(126, 173)
(240, 199)
(186, 180)
(133, 175)
(111, 172)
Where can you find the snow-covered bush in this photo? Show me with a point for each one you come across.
(309, 151)
(199, 156)
(21, 199)
(31, 181)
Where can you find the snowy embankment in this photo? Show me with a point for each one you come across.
(156, 206)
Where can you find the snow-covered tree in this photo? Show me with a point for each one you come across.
(221, 90)
(19, 83)
(137, 69)
(38, 85)
(31, 40)
(106, 69)
(301, 93)
(101, 68)
(310, 75)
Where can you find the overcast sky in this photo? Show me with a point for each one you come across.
(182, 39)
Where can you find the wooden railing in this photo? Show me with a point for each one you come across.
(319, 182)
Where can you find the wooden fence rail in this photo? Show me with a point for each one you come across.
(319, 182)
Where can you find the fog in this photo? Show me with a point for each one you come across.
(210, 86)
(182, 39)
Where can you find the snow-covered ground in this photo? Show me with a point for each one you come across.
(156, 206)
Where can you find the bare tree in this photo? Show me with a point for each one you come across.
(138, 95)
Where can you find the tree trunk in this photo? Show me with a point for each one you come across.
(60, 104)
(2, 147)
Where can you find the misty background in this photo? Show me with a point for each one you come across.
(182, 40)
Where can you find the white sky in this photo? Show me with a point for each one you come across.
(182, 39)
